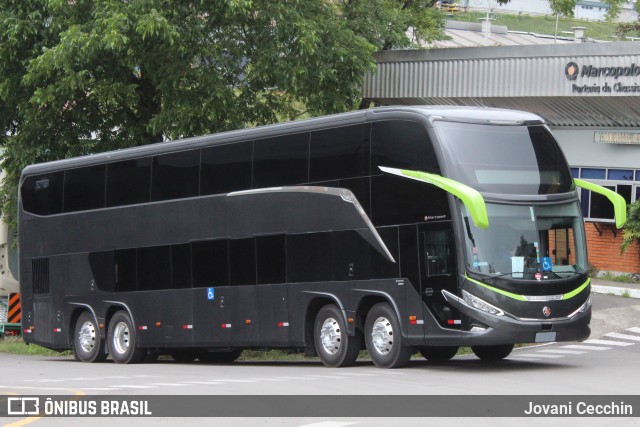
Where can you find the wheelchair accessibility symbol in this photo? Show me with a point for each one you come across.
(211, 295)
(546, 264)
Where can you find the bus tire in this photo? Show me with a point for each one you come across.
(334, 346)
(219, 357)
(88, 346)
(122, 340)
(383, 338)
(438, 354)
(492, 352)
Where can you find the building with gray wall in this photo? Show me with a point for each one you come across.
(589, 94)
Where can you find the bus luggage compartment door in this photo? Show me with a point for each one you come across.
(213, 323)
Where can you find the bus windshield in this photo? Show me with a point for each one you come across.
(527, 242)
(505, 159)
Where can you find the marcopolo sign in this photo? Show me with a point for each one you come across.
(573, 71)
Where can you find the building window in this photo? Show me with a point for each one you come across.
(598, 208)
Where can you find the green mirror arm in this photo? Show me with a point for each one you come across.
(471, 198)
(619, 204)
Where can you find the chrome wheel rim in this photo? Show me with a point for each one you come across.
(330, 336)
(382, 335)
(87, 337)
(121, 338)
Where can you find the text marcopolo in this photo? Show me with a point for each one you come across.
(615, 72)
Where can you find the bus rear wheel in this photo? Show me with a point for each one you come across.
(492, 352)
(334, 346)
(88, 346)
(438, 354)
(384, 338)
(122, 340)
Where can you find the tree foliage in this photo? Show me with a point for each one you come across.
(632, 227)
(85, 76)
(630, 28)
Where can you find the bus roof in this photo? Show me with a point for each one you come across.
(423, 113)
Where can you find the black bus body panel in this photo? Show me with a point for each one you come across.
(268, 307)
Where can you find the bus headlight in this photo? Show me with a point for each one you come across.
(481, 305)
(582, 308)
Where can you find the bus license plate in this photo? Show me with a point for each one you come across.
(545, 337)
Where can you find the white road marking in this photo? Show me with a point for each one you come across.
(585, 347)
(329, 424)
(204, 382)
(169, 384)
(310, 377)
(49, 380)
(324, 377)
(353, 374)
(133, 386)
(607, 342)
(536, 355)
(99, 388)
(623, 336)
(562, 351)
(636, 330)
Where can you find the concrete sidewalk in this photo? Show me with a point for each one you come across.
(608, 287)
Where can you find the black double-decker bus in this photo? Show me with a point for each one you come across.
(397, 230)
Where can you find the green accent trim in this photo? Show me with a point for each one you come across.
(496, 290)
(619, 204)
(471, 198)
(576, 291)
(517, 297)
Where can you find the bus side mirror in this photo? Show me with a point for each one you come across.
(619, 204)
(472, 199)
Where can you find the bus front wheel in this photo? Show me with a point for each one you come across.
(384, 338)
(334, 346)
(88, 346)
(122, 340)
(492, 352)
(438, 354)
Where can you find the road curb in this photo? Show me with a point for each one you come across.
(620, 291)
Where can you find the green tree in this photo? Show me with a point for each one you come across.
(633, 28)
(632, 227)
(384, 23)
(85, 76)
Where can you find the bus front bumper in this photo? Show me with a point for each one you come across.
(491, 329)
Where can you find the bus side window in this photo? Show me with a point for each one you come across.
(242, 261)
(210, 263)
(84, 188)
(270, 254)
(339, 153)
(309, 257)
(129, 182)
(175, 175)
(283, 160)
(42, 194)
(154, 268)
(402, 144)
(226, 168)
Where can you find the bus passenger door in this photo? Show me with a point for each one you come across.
(438, 271)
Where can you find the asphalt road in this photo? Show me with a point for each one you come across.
(607, 364)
